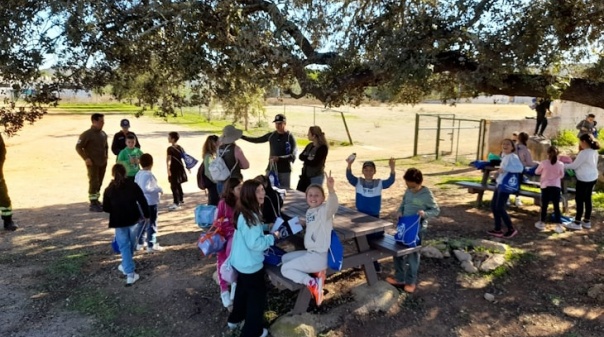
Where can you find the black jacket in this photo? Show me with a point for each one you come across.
(119, 142)
(124, 204)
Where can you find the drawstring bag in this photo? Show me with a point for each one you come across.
(510, 183)
(273, 174)
(407, 230)
(335, 255)
(272, 256)
(227, 272)
(190, 162)
(212, 241)
(205, 215)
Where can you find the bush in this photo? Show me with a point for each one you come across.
(565, 138)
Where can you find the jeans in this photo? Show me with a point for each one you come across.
(583, 199)
(498, 205)
(550, 193)
(126, 240)
(150, 227)
(284, 179)
(318, 180)
(213, 195)
(249, 303)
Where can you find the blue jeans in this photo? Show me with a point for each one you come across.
(126, 240)
(498, 205)
(150, 227)
(318, 180)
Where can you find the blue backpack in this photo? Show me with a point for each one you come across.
(335, 255)
(407, 230)
(204, 215)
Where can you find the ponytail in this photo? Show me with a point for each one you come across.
(590, 140)
(119, 175)
(552, 153)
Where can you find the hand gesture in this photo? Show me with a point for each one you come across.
(330, 182)
(350, 160)
(421, 213)
(391, 163)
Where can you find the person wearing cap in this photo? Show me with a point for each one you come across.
(232, 154)
(92, 147)
(119, 139)
(282, 149)
(368, 197)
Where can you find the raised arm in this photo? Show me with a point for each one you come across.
(257, 140)
(388, 182)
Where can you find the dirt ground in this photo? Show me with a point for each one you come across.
(59, 276)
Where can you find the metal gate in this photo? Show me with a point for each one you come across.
(444, 135)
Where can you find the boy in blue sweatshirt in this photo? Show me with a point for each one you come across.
(368, 198)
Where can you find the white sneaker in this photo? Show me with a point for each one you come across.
(233, 326)
(139, 246)
(132, 277)
(156, 248)
(586, 224)
(508, 202)
(121, 269)
(518, 202)
(572, 225)
(233, 287)
(540, 225)
(173, 207)
(264, 333)
(225, 296)
(559, 229)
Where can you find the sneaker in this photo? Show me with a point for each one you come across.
(315, 287)
(264, 333)
(10, 226)
(495, 233)
(233, 287)
(156, 248)
(139, 246)
(510, 234)
(559, 229)
(540, 225)
(586, 224)
(225, 296)
(572, 225)
(95, 207)
(121, 269)
(518, 202)
(392, 281)
(132, 277)
(233, 326)
(507, 203)
(173, 207)
(409, 288)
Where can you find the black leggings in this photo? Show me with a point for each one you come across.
(583, 198)
(550, 194)
(177, 193)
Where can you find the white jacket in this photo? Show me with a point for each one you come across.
(585, 165)
(147, 182)
(319, 223)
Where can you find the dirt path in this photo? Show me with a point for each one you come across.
(60, 277)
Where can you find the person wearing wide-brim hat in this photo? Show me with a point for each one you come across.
(283, 150)
(231, 153)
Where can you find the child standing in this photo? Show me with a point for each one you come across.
(176, 170)
(317, 239)
(524, 155)
(130, 157)
(551, 171)
(419, 200)
(368, 197)
(148, 184)
(586, 171)
(247, 257)
(226, 211)
(586, 126)
(208, 153)
(121, 200)
(510, 163)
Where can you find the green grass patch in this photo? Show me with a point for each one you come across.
(84, 108)
(598, 200)
(453, 180)
(95, 303)
(565, 138)
(513, 257)
(67, 266)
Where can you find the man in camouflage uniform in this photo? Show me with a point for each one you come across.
(5, 204)
(93, 148)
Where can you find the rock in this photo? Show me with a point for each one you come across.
(379, 297)
(597, 292)
(432, 252)
(441, 246)
(290, 326)
(468, 266)
(446, 253)
(491, 245)
(462, 256)
(492, 262)
(489, 297)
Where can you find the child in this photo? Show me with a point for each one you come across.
(148, 184)
(586, 171)
(524, 155)
(273, 202)
(586, 126)
(368, 198)
(247, 257)
(176, 171)
(121, 200)
(419, 200)
(317, 239)
(130, 157)
(551, 171)
(510, 163)
(226, 207)
(208, 153)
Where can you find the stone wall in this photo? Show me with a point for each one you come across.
(498, 130)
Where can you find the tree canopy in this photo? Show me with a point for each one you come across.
(332, 50)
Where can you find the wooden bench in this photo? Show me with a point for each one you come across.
(388, 245)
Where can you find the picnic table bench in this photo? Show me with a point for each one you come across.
(349, 224)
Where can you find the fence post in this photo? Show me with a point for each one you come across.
(346, 127)
(416, 135)
(438, 136)
(314, 115)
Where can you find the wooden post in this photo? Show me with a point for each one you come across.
(346, 127)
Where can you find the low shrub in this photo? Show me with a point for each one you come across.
(565, 138)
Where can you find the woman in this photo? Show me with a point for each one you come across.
(586, 171)
(232, 154)
(208, 153)
(313, 158)
(510, 164)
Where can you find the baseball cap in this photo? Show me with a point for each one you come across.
(125, 123)
(369, 163)
(280, 118)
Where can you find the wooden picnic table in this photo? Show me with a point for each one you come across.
(349, 224)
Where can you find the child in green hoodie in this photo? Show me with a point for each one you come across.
(130, 157)
(419, 200)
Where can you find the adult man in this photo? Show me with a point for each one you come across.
(282, 149)
(5, 204)
(92, 147)
(542, 107)
(119, 139)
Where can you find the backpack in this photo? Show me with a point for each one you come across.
(335, 256)
(203, 182)
(218, 168)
